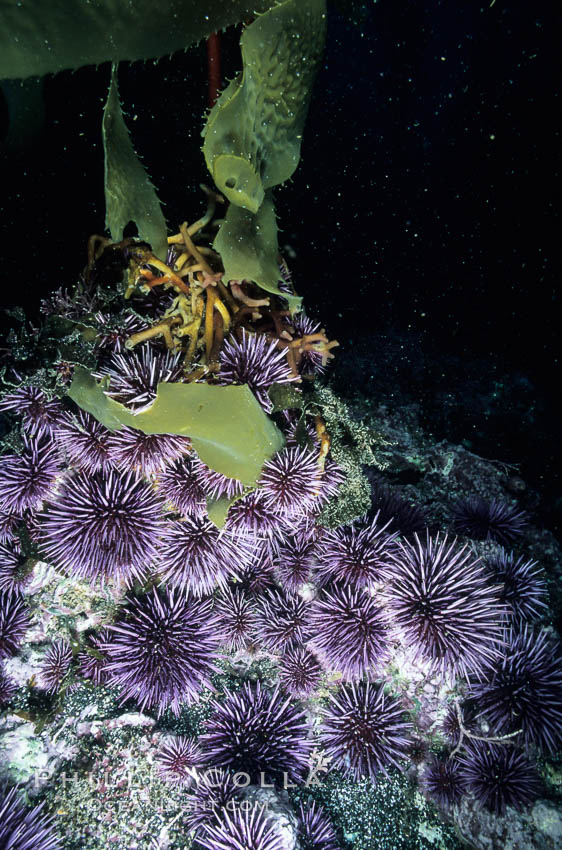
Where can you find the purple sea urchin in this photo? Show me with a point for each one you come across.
(282, 620)
(13, 571)
(295, 560)
(40, 415)
(135, 375)
(145, 453)
(315, 831)
(92, 662)
(349, 631)
(197, 556)
(494, 520)
(161, 650)
(499, 776)
(179, 485)
(216, 789)
(85, 441)
(363, 730)
(524, 689)
(25, 829)
(7, 688)
(26, 479)
(14, 622)
(355, 554)
(291, 481)
(255, 361)
(214, 484)
(236, 618)
(252, 516)
(103, 525)
(247, 828)
(299, 671)
(176, 758)
(56, 665)
(403, 517)
(254, 730)
(446, 609)
(444, 781)
(523, 586)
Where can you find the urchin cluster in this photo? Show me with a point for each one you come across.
(25, 829)
(255, 730)
(358, 554)
(197, 556)
(494, 520)
(282, 620)
(299, 671)
(523, 585)
(499, 776)
(349, 631)
(442, 602)
(176, 757)
(103, 525)
(56, 665)
(254, 361)
(27, 478)
(14, 622)
(248, 827)
(364, 730)
(523, 689)
(161, 649)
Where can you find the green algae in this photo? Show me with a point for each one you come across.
(254, 131)
(228, 429)
(129, 194)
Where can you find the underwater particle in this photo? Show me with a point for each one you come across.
(25, 829)
(444, 781)
(7, 687)
(14, 622)
(282, 620)
(523, 690)
(26, 479)
(235, 613)
(254, 730)
(315, 830)
(134, 375)
(176, 757)
(56, 665)
(523, 586)
(291, 481)
(295, 559)
(180, 486)
(130, 448)
(246, 828)
(216, 789)
(161, 649)
(102, 525)
(252, 515)
(448, 612)
(499, 776)
(92, 662)
(363, 730)
(40, 415)
(350, 631)
(299, 671)
(255, 361)
(85, 441)
(197, 556)
(356, 554)
(403, 517)
(494, 520)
